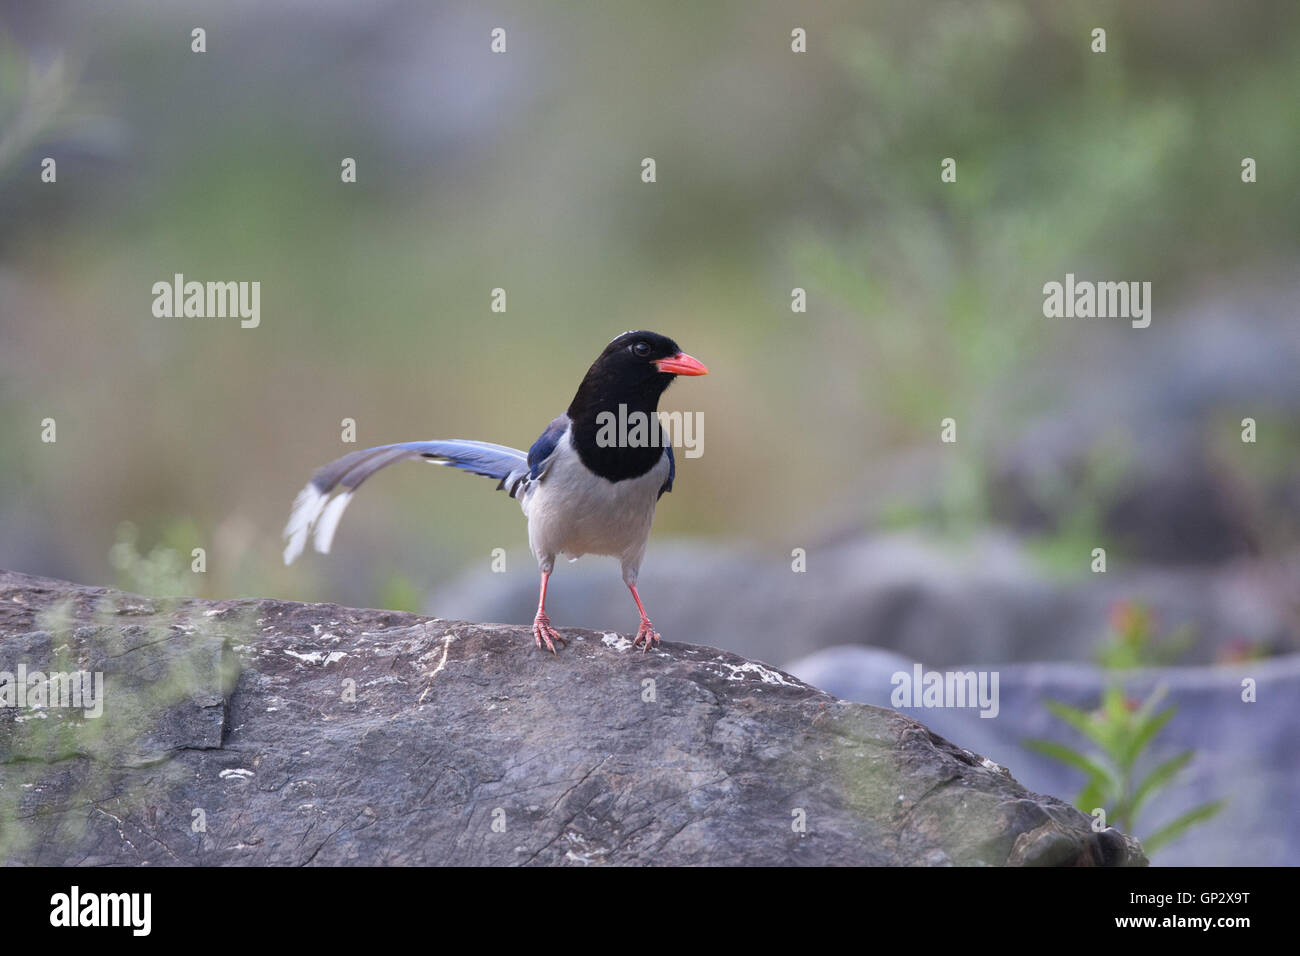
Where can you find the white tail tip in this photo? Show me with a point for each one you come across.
(306, 509)
(328, 522)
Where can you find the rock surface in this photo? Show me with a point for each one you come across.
(268, 732)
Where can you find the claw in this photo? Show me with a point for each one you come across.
(543, 632)
(646, 635)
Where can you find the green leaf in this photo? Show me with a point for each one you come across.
(1159, 693)
(1072, 758)
(1178, 827)
(1080, 721)
(1147, 729)
(1160, 776)
(1113, 726)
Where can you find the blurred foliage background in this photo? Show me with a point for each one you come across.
(521, 171)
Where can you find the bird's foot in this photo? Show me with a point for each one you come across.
(646, 635)
(543, 632)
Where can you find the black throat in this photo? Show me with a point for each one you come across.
(599, 438)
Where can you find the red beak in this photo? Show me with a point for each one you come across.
(681, 364)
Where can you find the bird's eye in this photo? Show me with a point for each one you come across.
(641, 348)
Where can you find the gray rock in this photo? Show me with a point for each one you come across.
(1246, 752)
(317, 734)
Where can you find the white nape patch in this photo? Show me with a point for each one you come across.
(240, 773)
(616, 642)
(306, 509)
(329, 522)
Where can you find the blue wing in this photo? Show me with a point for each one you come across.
(476, 457)
(672, 471)
(539, 456)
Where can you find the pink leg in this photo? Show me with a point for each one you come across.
(542, 630)
(646, 634)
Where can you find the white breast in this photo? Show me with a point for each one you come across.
(574, 512)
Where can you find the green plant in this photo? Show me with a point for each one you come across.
(1122, 730)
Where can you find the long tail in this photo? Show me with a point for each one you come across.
(313, 508)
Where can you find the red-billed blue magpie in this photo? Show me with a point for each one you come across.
(582, 492)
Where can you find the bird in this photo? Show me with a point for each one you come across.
(585, 486)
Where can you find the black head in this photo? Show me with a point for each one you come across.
(633, 370)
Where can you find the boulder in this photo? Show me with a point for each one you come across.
(274, 733)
